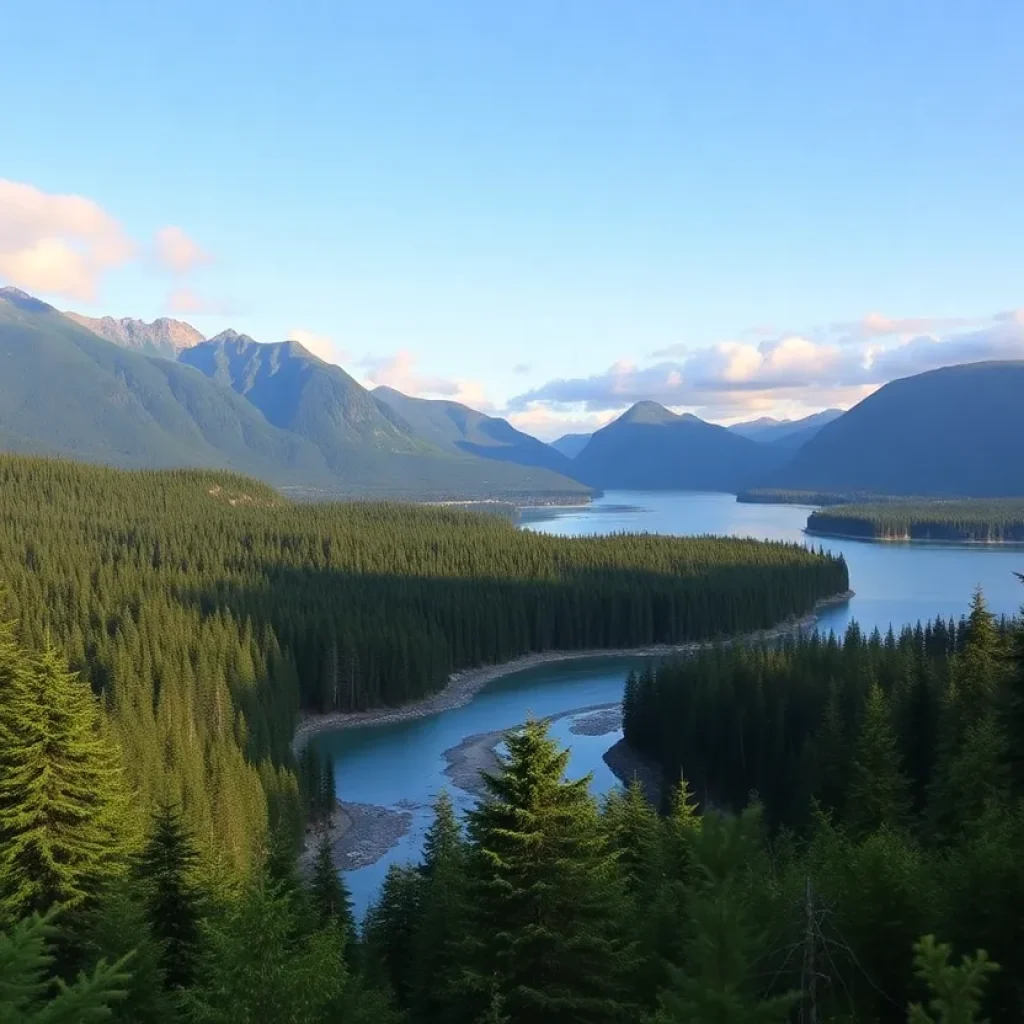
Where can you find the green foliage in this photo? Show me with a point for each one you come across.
(328, 892)
(956, 990)
(262, 966)
(545, 889)
(984, 521)
(172, 901)
(30, 994)
(63, 803)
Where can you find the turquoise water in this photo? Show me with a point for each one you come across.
(402, 764)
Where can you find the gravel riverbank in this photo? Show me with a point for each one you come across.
(360, 835)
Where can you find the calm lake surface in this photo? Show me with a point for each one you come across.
(401, 765)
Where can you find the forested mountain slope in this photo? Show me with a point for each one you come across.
(651, 448)
(457, 428)
(949, 432)
(570, 445)
(370, 446)
(788, 433)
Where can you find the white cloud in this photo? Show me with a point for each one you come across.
(57, 244)
(399, 371)
(735, 379)
(321, 345)
(176, 252)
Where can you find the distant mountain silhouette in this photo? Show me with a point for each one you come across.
(790, 434)
(651, 448)
(272, 411)
(570, 445)
(163, 337)
(360, 436)
(457, 428)
(66, 391)
(950, 432)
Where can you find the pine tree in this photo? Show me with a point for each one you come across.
(719, 983)
(879, 793)
(64, 824)
(956, 990)
(261, 964)
(172, 901)
(442, 917)
(390, 930)
(328, 894)
(546, 891)
(29, 994)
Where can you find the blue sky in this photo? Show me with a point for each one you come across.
(547, 208)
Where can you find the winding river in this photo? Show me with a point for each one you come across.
(401, 765)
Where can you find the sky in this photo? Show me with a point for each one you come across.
(547, 209)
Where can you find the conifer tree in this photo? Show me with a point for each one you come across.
(30, 994)
(261, 964)
(442, 916)
(328, 893)
(546, 889)
(956, 989)
(64, 823)
(172, 900)
(879, 793)
(390, 930)
(719, 983)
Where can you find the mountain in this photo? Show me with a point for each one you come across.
(570, 445)
(65, 390)
(163, 337)
(457, 428)
(950, 432)
(651, 448)
(789, 433)
(359, 434)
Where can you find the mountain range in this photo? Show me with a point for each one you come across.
(272, 411)
(134, 394)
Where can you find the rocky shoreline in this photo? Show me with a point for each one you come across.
(463, 686)
(360, 835)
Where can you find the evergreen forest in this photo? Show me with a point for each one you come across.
(165, 630)
(982, 521)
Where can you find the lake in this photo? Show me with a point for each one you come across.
(402, 765)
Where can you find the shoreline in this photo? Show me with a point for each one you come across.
(360, 835)
(951, 543)
(464, 685)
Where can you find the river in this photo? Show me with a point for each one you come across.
(401, 765)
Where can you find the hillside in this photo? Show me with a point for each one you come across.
(570, 445)
(360, 437)
(949, 432)
(651, 448)
(64, 390)
(162, 337)
(457, 428)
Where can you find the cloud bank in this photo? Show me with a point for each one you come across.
(399, 371)
(57, 244)
(803, 372)
(176, 252)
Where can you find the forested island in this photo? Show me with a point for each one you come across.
(166, 629)
(972, 521)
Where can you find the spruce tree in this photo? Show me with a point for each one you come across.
(879, 793)
(442, 918)
(328, 894)
(172, 901)
(64, 822)
(30, 994)
(956, 990)
(720, 981)
(546, 892)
